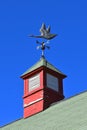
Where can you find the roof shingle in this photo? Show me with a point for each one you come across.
(40, 63)
(70, 114)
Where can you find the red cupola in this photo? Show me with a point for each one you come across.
(43, 85)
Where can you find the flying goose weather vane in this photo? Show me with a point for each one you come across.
(45, 34)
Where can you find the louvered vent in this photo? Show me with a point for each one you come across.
(34, 82)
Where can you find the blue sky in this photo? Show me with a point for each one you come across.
(18, 19)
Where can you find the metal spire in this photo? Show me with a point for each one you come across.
(42, 46)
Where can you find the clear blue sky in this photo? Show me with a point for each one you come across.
(68, 52)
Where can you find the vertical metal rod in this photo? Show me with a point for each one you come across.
(42, 53)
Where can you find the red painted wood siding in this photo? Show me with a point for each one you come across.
(25, 86)
(33, 98)
(33, 109)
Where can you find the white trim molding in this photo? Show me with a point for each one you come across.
(26, 105)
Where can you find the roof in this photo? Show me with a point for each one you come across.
(70, 114)
(40, 63)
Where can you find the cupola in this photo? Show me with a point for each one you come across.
(43, 85)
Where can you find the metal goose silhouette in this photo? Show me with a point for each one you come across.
(45, 33)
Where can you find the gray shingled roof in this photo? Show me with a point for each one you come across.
(70, 114)
(42, 62)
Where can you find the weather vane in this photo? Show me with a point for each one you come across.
(45, 34)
